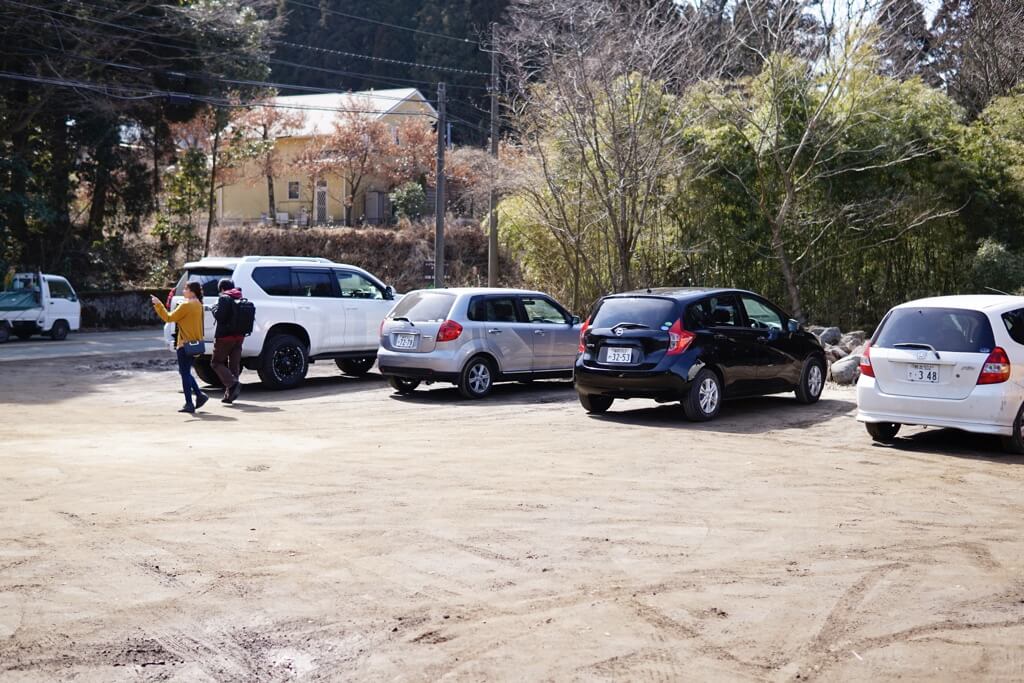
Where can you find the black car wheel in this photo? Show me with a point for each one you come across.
(1015, 443)
(704, 400)
(355, 367)
(59, 331)
(5, 331)
(812, 381)
(595, 403)
(477, 378)
(284, 363)
(883, 432)
(403, 385)
(204, 371)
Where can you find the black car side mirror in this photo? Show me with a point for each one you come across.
(793, 325)
(575, 320)
(389, 292)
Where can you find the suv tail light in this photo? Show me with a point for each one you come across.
(583, 332)
(170, 299)
(380, 330)
(866, 368)
(996, 368)
(678, 338)
(449, 331)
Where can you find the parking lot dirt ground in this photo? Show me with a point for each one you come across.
(339, 532)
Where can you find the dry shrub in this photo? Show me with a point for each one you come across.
(396, 256)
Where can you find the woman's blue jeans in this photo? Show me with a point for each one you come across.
(189, 385)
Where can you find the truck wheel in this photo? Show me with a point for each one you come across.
(5, 332)
(204, 370)
(284, 362)
(59, 331)
(355, 367)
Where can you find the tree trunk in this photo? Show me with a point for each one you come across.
(101, 184)
(792, 287)
(270, 199)
(60, 190)
(211, 200)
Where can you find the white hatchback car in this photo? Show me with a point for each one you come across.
(951, 361)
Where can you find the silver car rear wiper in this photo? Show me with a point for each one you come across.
(402, 317)
(918, 345)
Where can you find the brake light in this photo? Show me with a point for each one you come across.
(583, 332)
(996, 368)
(380, 330)
(170, 299)
(449, 331)
(678, 338)
(866, 368)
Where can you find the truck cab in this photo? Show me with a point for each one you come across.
(39, 303)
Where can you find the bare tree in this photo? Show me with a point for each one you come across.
(592, 100)
(257, 129)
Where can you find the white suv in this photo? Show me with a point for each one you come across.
(307, 309)
(952, 361)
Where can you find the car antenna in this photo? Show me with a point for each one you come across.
(997, 291)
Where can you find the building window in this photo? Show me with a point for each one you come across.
(293, 189)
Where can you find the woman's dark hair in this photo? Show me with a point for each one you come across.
(197, 289)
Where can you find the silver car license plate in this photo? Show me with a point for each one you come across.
(618, 355)
(923, 373)
(405, 341)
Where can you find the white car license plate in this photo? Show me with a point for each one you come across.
(619, 355)
(923, 373)
(405, 341)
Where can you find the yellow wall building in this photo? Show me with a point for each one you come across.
(296, 200)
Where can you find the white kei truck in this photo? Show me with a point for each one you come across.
(38, 303)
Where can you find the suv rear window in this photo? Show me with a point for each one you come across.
(207, 277)
(274, 280)
(946, 329)
(423, 307)
(649, 311)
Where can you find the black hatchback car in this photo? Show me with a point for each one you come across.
(696, 346)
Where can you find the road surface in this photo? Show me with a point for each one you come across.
(341, 532)
(83, 344)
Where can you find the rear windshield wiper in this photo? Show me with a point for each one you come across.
(633, 326)
(402, 317)
(918, 345)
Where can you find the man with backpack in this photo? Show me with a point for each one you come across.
(233, 324)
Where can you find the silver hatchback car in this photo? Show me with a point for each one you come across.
(474, 337)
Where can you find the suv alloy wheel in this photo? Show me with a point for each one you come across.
(284, 362)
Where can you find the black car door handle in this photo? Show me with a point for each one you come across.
(763, 340)
(721, 337)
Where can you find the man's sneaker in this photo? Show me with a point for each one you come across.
(234, 392)
(201, 400)
(187, 409)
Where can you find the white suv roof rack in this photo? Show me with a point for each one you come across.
(306, 259)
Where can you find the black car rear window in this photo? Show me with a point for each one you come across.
(946, 329)
(421, 307)
(207, 277)
(274, 280)
(650, 311)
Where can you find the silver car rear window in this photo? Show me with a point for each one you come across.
(956, 330)
(423, 307)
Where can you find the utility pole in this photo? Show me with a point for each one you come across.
(439, 202)
(492, 235)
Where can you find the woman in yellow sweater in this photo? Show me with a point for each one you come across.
(189, 317)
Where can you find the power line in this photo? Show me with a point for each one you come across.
(386, 60)
(357, 17)
(390, 80)
(134, 93)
